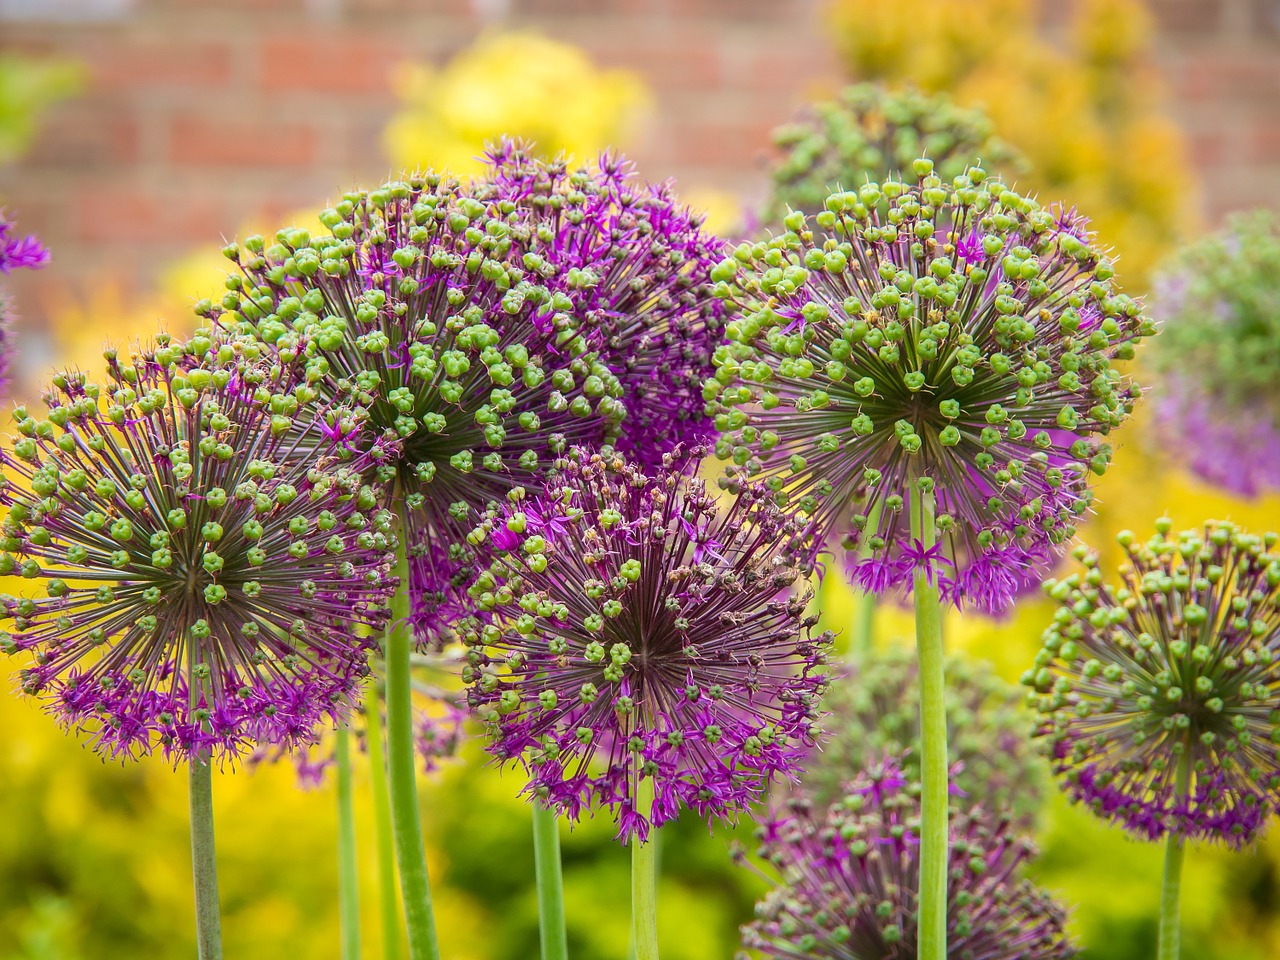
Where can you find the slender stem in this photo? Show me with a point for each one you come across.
(348, 878)
(389, 907)
(546, 854)
(863, 640)
(203, 862)
(644, 891)
(1170, 937)
(933, 741)
(406, 819)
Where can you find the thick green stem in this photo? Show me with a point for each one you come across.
(644, 889)
(932, 943)
(388, 905)
(348, 875)
(1170, 936)
(203, 862)
(406, 819)
(862, 641)
(546, 853)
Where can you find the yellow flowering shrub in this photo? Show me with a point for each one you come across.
(519, 84)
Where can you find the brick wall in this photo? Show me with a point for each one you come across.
(201, 113)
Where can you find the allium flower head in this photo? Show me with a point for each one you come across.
(1218, 405)
(876, 713)
(870, 130)
(643, 274)
(641, 631)
(200, 583)
(847, 879)
(16, 253)
(442, 324)
(953, 339)
(1158, 694)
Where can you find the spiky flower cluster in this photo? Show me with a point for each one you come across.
(869, 131)
(847, 879)
(876, 713)
(479, 332)
(1219, 402)
(951, 342)
(203, 584)
(1158, 695)
(644, 266)
(643, 639)
(438, 732)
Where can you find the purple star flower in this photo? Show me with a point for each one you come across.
(846, 881)
(18, 253)
(1157, 696)
(203, 585)
(616, 653)
(958, 347)
(640, 264)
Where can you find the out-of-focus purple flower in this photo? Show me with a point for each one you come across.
(16, 253)
(438, 731)
(204, 585)
(1157, 696)
(625, 650)
(957, 347)
(640, 265)
(846, 879)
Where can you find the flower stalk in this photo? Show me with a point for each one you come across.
(644, 890)
(1169, 946)
(204, 862)
(546, 852)
(383, 834)
(348, 878)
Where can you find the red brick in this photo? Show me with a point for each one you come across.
(1200, 17)
(125, 213)
(1265, 141)
(1245, 75)
(87, 133)
(125, 63)
(330, 63)
(1206, 148)
(233, 142)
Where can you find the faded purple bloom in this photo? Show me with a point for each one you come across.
(1157, 697)
(16, 253)
(846, 879)
(203, 586)
(957, 351)
(438, 731)
(624, 650)
(641, 267)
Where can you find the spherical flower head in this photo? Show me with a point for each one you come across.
(1218, 406)
(847, 878)
(438, 321)
(640, 631)
(870, 130)
(950, 343)
(198, 586)
(641, 266)
(875, 712)
(1157, 694)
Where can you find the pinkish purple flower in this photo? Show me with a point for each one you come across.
(625, 650)
(194, 584)
(1157, 695)
(957, 347)
(846, 879)
(17, 253)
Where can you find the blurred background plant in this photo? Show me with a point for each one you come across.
(93, 862)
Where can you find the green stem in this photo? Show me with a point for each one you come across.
(1170, 937)
(644, 891)
(203, 862)
(348, 879)
(406, 819)
(546, 854)
(391, 947)
(933, 741)
(863, 640)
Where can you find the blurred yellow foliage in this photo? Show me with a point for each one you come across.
(1085, 111)
(518, 84)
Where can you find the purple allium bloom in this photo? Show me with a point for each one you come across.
(1218, 404)
(943, 340)
(438, 732)
(642, 266)
(876, 712)
(1180, 660)
(847, 878)
(614, 656)
(203, 585)
(16, 253)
